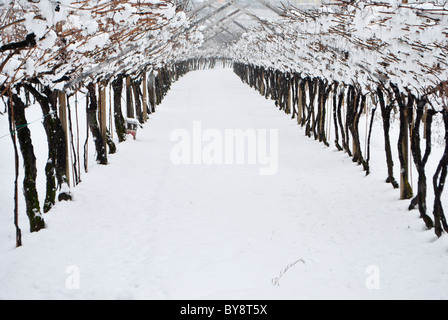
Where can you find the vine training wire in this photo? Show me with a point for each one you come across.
(26, 125)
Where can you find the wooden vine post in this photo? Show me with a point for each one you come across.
(145, 98)
(129, 101)
(299, 106)
(103, 111)
(63, 118)
(289, 97)
(405, 188)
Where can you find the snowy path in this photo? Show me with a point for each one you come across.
(143, 228)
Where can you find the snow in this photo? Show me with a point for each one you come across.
(145, 228)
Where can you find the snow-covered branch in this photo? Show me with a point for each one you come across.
(73, 41)
(366, 42)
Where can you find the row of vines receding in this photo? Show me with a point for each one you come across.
(330, 66)
(55, 54)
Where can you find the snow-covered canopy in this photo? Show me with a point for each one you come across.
(66, 42)
(366, 43)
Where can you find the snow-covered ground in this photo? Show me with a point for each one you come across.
(145, 228)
